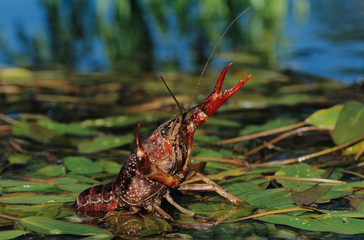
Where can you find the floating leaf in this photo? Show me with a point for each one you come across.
(11, 234)
(53, 210)
(81, 165)
(117, 121)
(73, 187)
(72, 129)
(19, 158)
(325, 118)
(276, 123)
(258, 198)
(301, 170)
(55, 227)
(104, 143)
(342, 190)
(33, 198)
(222, 122)
(324, 223)
(109, 166)
(350, 123)
(310, 195)
(52, 170)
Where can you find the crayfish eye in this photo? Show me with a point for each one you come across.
(163, 132)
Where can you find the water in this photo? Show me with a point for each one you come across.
(328, 41)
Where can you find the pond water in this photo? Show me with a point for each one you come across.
(320, 37)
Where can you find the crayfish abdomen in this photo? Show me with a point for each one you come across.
(158, 163)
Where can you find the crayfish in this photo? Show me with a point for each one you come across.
(159, 163)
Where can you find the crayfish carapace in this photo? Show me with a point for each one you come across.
(159, 163)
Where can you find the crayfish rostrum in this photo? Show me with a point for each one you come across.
(159, 163)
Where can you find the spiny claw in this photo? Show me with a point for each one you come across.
(215, 100)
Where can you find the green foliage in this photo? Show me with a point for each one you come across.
(350, 123)
(55, 227)
(300, 170)
(104, 143)
(81, 165)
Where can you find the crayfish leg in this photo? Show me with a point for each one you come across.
(210, 185)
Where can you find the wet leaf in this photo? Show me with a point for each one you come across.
(104, 143)
(52, 210)
(320, 223)
(11, 234)
(350, 123)
(301, 170)
(276, 123)
(258, 198)
(342, 190)
(33, 198)
(117, 121)
(17, 183)
(55, 227)
(325, 118)
(310, 195)
(354, 149)
(52, 170)
(36, 132)
(81, 165)
(133, 224)
(72, 129)
(109, 166)
(33, 188)
(19, 158)
(222, 122)
(73, 187)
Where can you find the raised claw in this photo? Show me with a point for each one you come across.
(216, 99)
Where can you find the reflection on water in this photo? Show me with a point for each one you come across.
(129, 35)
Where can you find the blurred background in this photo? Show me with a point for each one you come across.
(320, 37)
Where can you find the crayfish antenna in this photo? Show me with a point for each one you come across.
(175, 99)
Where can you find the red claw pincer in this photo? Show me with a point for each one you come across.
(215, 100)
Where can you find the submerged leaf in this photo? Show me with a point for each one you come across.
(310, 195)
(133, 224)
